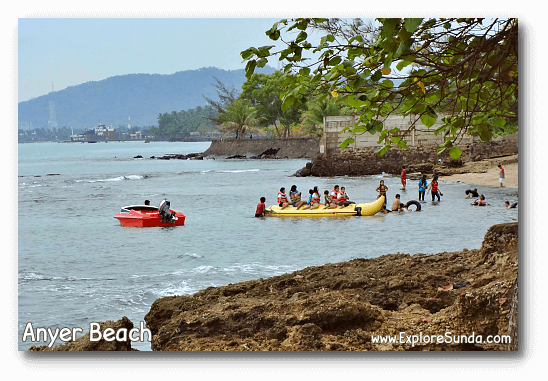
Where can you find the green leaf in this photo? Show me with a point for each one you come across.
(403, 47)
(249, 68)
(383, 150)
(347, 142)
(264, 51)
(305, 71)
(499, 122)
(289, 101)
(428, 119)
(301, 37)
(455, 152)
(411, 24)
(376, 75)
(403, 64)
(432, 98)
(356, 103)
(388, 60)
(387, 83)
(403, 144)
(335, 61)
(485, 133)
(247, 54)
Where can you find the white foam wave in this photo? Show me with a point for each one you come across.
(190, 255)
(119, 178)
(240, 170)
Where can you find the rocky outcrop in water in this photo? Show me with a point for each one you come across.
(191, 156)
(293, 148)
(343, 306)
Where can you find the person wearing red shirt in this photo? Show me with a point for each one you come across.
(403, 177)
(435, 189)
(261, 208)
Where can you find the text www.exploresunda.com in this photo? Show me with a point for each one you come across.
(447, 338)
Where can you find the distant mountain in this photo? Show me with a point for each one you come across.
(139, 96)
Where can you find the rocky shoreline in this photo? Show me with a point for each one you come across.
(424, 159)
(343, 306)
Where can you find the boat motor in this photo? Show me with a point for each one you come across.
(165, 213)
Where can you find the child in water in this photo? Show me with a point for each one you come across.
(480, 202)
(423, 184)
(261, 208)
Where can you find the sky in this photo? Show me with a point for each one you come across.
(61, 52)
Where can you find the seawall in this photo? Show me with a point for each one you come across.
(293, 148)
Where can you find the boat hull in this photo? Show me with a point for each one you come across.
(365, 209)
(147, 219)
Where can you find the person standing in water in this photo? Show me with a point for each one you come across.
(435, 189)
(382, 190)
(423, 184)
(403, 177)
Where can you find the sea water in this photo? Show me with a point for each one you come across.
(77, 265)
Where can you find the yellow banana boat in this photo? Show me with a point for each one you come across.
(367, 209)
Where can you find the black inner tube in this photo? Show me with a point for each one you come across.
(413, 202)
(470, 191)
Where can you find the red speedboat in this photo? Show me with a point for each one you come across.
(144, 216)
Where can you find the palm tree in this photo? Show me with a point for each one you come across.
(239, 118)
(317, 109)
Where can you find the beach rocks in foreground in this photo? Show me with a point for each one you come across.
(342, 306)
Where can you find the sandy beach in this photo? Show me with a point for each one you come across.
(487, 173)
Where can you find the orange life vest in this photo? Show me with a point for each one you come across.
(283, 197)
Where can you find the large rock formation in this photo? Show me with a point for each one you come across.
(265, 148)
(458, 296)
(425, 159)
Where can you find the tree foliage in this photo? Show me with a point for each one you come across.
(465, 68)
(318, 108)
(240, 117)
(264, 92)
(179, 124)
(226, 96)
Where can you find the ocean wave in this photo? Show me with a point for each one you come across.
(240, 170)
(190, 255)
(32, 276)
(119, 178)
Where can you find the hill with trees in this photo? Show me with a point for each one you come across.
(143, 97)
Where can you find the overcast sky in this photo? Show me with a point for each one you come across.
(70, 51)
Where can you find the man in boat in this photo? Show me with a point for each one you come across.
(342, 200)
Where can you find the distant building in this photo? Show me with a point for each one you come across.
(136, 135)
(105, 132)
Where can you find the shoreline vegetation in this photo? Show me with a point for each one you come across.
(464, 296)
